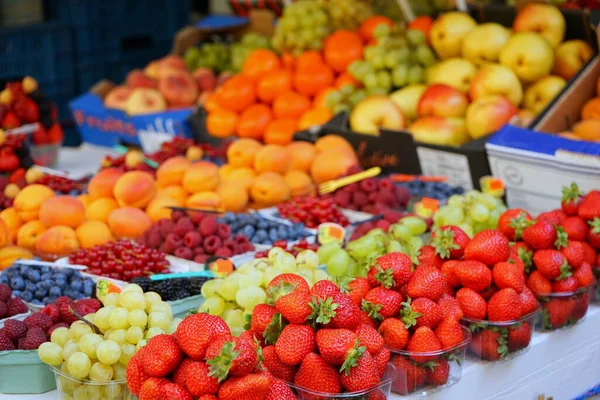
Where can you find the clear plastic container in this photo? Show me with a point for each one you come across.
(46, 155)
(70, 388)
(596, 297)
(563, 310)
(429, 376)
(381, 391)
(500, 341)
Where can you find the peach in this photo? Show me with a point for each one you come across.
(103, 183)
(62, 210)
(331, 164)
(272, 158)
(243, 175)
(234, 196)
(178, 88)
(137, 78)
(201, 176)
(117, 98)
(206, 199)
(10, 254)
(175, 192)
(134, 189)
(173, 61)
(93, 233)
(157, 209)
(85, 199)
(128, 222)
(270, 188)
(5, 239)
(299, 182)
(58, 241)
(145, 101)
(28, 201)
(241, 153)
(99, 209)
(303, 153)
(441, 100)
(331, 142)
(587, 130)
(29, 234)
(171, 171)
(205, 78)
(12, 220)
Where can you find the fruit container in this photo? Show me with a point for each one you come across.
(381, 391)
(20, 317)
(22, 372)
(563, 310)
(181, 307)
(416, 374)
(46, 155)
(71, 388)
(500, 341)
(596, 298)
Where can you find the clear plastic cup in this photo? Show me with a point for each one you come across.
(564, 309)
(70, 388)
(500, 341)
(596, 297)
(429, 375)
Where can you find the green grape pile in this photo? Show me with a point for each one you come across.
(303, 26)
(344, 99)
(399, 58)
(473, 212)
(215, 56)
(242, 49)
(348, 14)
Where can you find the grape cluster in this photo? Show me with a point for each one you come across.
(303, 26)
(209, 55)
(348, 14)
(312, 211)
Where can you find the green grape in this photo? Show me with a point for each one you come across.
(454, 215)
(341, 108)
(382, 30)
(250, 278)
(307, 259)
(137, 318)
(275, 251)
(134, 334)
(108, 352)
(395, 246)
(143, 342)
(338, 263)
(160, 320)
(494, 217)
(369, 52)
(456, 200)
(101, 372)
(384, 80)
(400, 232)
(371, 80)
(400, 75)
(50, 353)
(118, 335)
(229, 288)
(307, 274)
(326, 251)
(151, 299)
(391, 59)
(425, 55)
(354, 269)
(70, 348)
(118, 318)
(416, 74)
(151, 332)
(416, 225)
(357, 97)
(321, 274)
(270, 274)
(479, 212)
(79, 365)
(415, 37)
(127, 351)
(132, 287)
(119, 372)
(467, 228)
(346, 90)
(249, 297)
(234, 318)
(403, 55)
(173, 325)
(285, 262)
(377, 91)
(362, 247)
(378, 61)
(488, 201)
(111, 299)
(438, 218)
(133, 301)
(89, 343)
(416, 242)
(214, 305)
(60, 336)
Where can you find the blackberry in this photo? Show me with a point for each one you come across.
(180, 294)
(194, 285)
(144, 282)
(168, 288)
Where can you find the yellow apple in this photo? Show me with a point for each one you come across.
(441, 100)
(570, 57)
(526, 117)
(407, 99)
(541, 93)
(439, 130)
(544, 19)
(487, 114)
(529, 55)
(448, 31)
(497, 79)
(455, 72)
(374, 112)
(483, 44)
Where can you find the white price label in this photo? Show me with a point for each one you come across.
(443, 163)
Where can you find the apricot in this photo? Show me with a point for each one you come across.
(206, 199)
(171, 171)
(62, 210)
(241, 152)
(93, 233)
(157, 209)
(591, 109)
(29, 234)
(99, 209)
(103, 183)
(28, 201)
(234, 196)
(10, 254)
(272, 158)
(201, 176)
(85, 199)
(303, 153)
(13, 222)
(587, 130)
(58, 241)
(134, 189)
(331, 164)
(225, 170)
(128, 222)
(5, 239)
(333, 142)
(270, 188)
(175, 192)
(243, 175)
(299, 182)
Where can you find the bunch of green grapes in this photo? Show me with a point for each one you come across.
(303, 26)
(348, 14)
(344, 99)
(126, 322)
(399, 58)
(473, 212)
(242, 49)
(234, 297)
(215, 56)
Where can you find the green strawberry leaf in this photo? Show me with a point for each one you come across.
(385, 277)
(259, 352)
(193, 311)
(527, 257)
(455, 356)
(352, 357)
(407, 315)
(248, 319)
(476, 327)
(546, 319)
(595, 224)
(565, 271)
(519, 224)
(273, 329)
(221, 363)
(343, 282)
(444, 242)
(372, 310)
(503, 344)
(571, 193)
(322, 310)
(562, 238)
(430, 365)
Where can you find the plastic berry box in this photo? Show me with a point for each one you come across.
(564, 309)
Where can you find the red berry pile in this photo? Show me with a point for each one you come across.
(123, 260)
(196, 237)
(10, 306)
(293, 249)
(63, 185)
(389, 217)
(5, 202)
(312, 211)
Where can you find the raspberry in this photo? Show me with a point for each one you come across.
(39, 319)
(192, 239)
(201, 258)
(3, 309)
(34, 338)
(65, 312)
(197, 217)
(15, 329)
(5, 293)
(198, 250)
(383, 224)
(183, 226)
(84, 307)
(51, 310)
(185, 253)
(386, 198)
(368, 185)
(5, 343)
(212, 243)
(166, 226)
(342, 199)
(223, 231)
(153, 239)
(208, 226)
(64, 300)
(246, 247)
(172, 242)
(176, 215)
(240, 239)
(16, 307)
(56, 326)
(224, 252)
(359, 199)
(386, 184)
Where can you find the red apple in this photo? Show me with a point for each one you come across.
(489, 113)
(441, 100)
(439, 130)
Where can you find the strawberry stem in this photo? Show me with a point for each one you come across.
(571, 193)
(385, 277)
(562, 238)
(273, 329)
(372, 310)
(221, 363)
(565, 271)
(352, 357)
(444, 242)
(409, 317)
(322, 310)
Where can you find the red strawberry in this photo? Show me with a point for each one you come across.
(338, 346)
(573, 252)
(428, 257)
(557, 312)
(409, 375)
(540, 235)
(421, 312)
(427, 282)
(358, 289)
(565, 285)
(593, 235)
(394, 333)
(471, 303)
(448, 269)
(584, 275)
(324, 289)
(279, 390)
(489, 247)
(198, 379)
(152, 389)
(423, 340)
(552, 264)
(262, 315)
(284, 284)
(529, 302)
(513, 222)
(231, 356)
(590, 206)
(338, 311)
(520, 252)
(489, 344)
(450, 307)
(362, 376)
(294, 343)
(589, 253)
(509, 275)
(575, 228)
(538, 283)
(55, 134)
(391, 271)
(175, 392)
(581, 306)
(365, 319)
(571, 199)
(505, 305)
(381, 360)
(294, 306)
(381, 303)
(161, 355)
(449, 333)
(554, 217)
(437, 374)
(26, 109)
(519, 336)
(10, 121)
(316, 375)
(197, 331)
(489, 292)
(449, 242)
(370, 338)
(135, 373)
(248, 387)
(376, 395)
(179, 374)
(473, 275)
(277, 367)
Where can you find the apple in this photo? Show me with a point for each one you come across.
(407, 99)
(529, 55)
(489, 113)
(455, 72)
(448, 31)
(440, 131)
(570, 57)
(544, 19)
(441, 100)
(497, 79)
(483, 44)
(541, 93)
(374, 112)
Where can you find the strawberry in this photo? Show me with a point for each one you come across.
(473, 275)
(529, 302)
(55, 134)
(428, 257)
(538, 283)
(573, 252)
(284, 284)
(449, 242)
(519, 336)
(370, 338)
(262, 316)
(471, 303)
(584, 275)
(449, 333)
(554, 217)
(381, 360)
(277, 367)
(365, 319)
(10, 121)
(391, 271)
(338, 311)
(539, 236)
(208, 397)
(489, 292)
(409, 375)
(551, 264)
(358, 289)
(589, 254)
(582, 302)
(509, 275)
(448, 269)
(427, 282)
(394, 333)
(571, 199)
(593, 235)
(381, 303)
(489, 247)
(362, 375)
(489, 344)
(316, 375)
(294, 306)
(565, 285)
(437, 373)
(324, 289)
(248, 387)
(450, 307)
(423, 340)
(294, 343)
(161, 355)
(337, 346)
(231, 356)
(181, 371)
(512, 222)
(520, 252)
(575, 228)
(279, 390)
(135, 373)
(426, 312)
(505, 305)
(197, 331)
(376, 395)
(152, 389)
(175, 392)
(26, 109)
(590, 206)
(557, 311)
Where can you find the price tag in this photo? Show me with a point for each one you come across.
(493, 186)
(426, 207)
(104, 287)
(330, 232)
(221, 267)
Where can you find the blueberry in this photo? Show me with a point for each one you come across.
(45, 276)
(87, 291)
(77, 285)
(273, 235)
(78, 296)
(41, 293)
(268, 242)
(17, 283)
(47, 284)
(36, 302)
(45, 269)
(242, 219)
(262, 224)
(76, 274)
(60, 284)
(33, 276)
(282, 232)
(4, 279)
(55, 291)
(458, 190)
(26, 296)
(67, 271)
(30, 287)
(46, 300)
(234, 227)
(16, 293)
(260, 235)
(252, 220)
(248, 230)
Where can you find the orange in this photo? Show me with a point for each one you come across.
(274, 83)
(254, 121)
(320, 98)
(309, 58)
(309, 80)
(236, 94)
(280, 131)
(368, 26)
(333, 142)
(316, 116)
(211, 103)
(346, 79)
(342, 48)
(221, 123)
(288, 61)
(260, 62)
(290, 105)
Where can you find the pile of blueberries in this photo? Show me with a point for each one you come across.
(42, 285)
(261, 230)
(433, 190)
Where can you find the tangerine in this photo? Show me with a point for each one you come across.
(211, 102)
(221, 123)
(274, 83)
(290, 105)
(321, 97)
(260, 62)
(309, 58)
(254, 121)
(280, 131)
(346, 78)
(311, 79)
(236, 94)
(341, 49)
(313, 117)
(369, 25)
